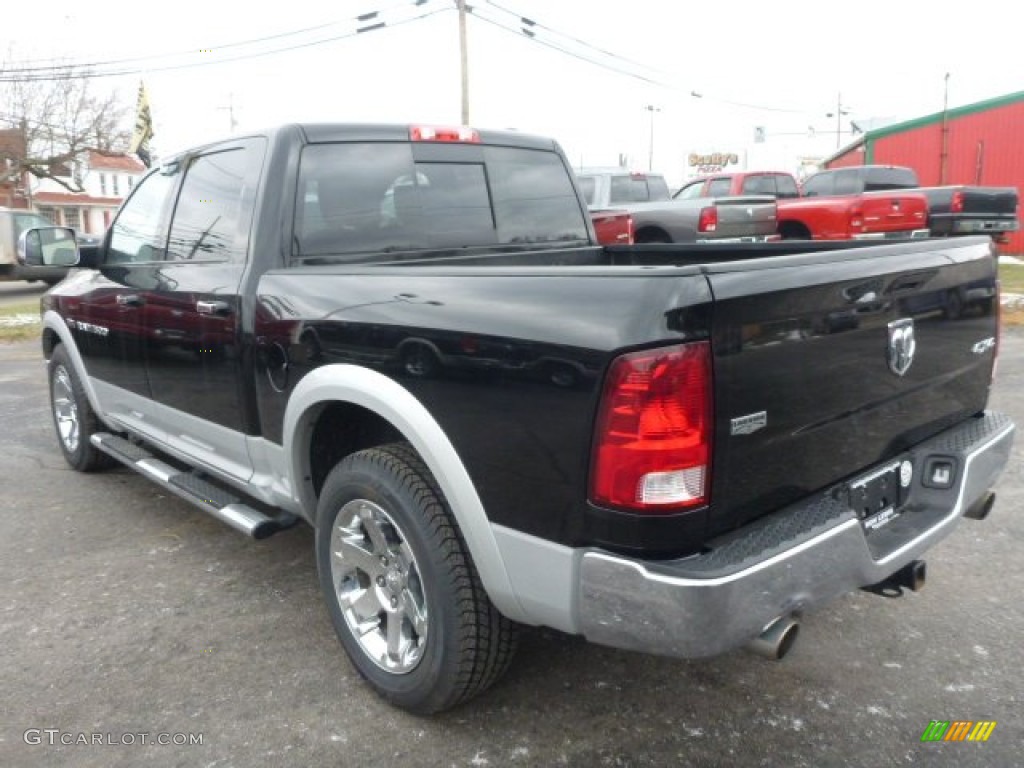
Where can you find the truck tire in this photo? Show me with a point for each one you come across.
(73, 416)
(401, 589)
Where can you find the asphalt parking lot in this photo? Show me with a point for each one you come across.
(126, 612)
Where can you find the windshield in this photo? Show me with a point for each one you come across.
(23, 221)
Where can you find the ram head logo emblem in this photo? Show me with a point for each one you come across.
(902, 345)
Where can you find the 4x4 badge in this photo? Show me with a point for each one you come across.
(901, 345)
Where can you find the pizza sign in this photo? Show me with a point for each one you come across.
(712, 163)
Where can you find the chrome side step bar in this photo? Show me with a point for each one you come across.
(210, 498)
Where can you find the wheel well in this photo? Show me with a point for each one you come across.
(341, 429)
(794, 229)
(50, 341)
(652, 235)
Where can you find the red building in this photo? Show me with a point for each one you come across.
(976, 144)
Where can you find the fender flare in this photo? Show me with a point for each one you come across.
(53, 321)
(391, 401)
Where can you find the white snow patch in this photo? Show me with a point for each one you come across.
(877, 711)
(892, 665)
(520, 752)
(479, 759)
(980, 650)
(959, 687)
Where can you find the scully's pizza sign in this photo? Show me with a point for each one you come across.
(712, 163)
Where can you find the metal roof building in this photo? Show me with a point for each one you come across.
(977, 144)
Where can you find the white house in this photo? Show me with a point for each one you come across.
(106, 181)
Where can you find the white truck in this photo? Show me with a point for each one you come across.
(12, 223)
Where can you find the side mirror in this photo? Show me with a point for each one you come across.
(48, 247)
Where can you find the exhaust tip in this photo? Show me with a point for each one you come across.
(980, 509)
(777, 640)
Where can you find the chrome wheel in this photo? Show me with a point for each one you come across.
(378, 586)
(65, 411)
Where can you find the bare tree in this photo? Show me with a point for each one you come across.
(62, 120)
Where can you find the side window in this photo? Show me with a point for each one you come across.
(692, 190)
(786, 187)
(588, 186)
(621, 190)
(137, 233)
(848, 183)
(820, 184)
(879, 179)
(657, 188)
(206, 220)
(719, 187)
(758, 185)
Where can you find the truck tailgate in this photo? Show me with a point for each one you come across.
(745, 217)
(999, 201)
(815, 374)
(894, 211)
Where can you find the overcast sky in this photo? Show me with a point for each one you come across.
(787, 61)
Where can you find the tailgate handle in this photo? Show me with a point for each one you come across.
(130, 300)
(221, 308)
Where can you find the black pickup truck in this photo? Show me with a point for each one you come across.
(406, 337)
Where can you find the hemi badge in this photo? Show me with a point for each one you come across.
(745, 425)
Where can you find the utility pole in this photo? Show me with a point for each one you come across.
(650, 157)
(839, 113)
(464, 57)
(230, 108)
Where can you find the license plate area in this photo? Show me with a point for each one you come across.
(877, 498)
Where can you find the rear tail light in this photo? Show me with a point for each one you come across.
(456, 133)
(956, 205)
(652, 447)
(856, 217)
(708, 221)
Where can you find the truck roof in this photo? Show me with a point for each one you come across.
(323, 133)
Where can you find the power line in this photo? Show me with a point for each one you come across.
(527, 31)
(371, 23)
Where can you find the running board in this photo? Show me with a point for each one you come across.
(211, 498)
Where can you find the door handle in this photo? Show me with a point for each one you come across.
(130, 300)
(221, 308)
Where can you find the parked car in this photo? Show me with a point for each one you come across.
(953, 210)
(828, 207)
(655, 217)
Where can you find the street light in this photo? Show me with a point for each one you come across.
(650, 158)
(839, 114)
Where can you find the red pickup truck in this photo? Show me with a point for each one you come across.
(824, 209)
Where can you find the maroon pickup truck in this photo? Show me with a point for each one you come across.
(825, 209)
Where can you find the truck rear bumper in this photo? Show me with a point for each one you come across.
(782, 565)
(907, 234)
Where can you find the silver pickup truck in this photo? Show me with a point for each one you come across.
(657, 218)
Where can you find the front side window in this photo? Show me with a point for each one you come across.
(137, 232)
(206, 217)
